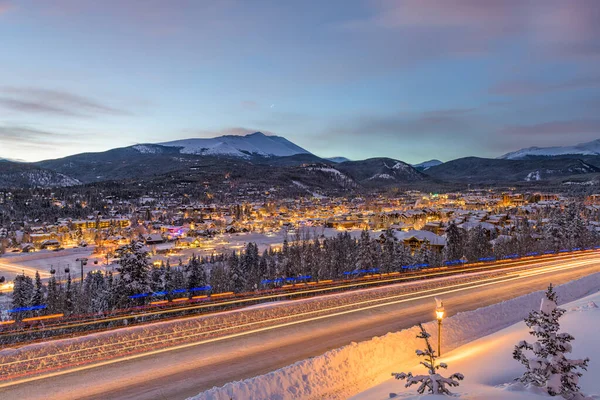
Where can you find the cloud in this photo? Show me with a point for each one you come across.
(22, 135)
(234, 131)
(402, 125)
(561, 129)
(530, 87)
(4, 7)
(560, 27)
(53, 102)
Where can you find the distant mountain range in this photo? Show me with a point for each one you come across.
(275, 161)
(337, 160)
(424, 166)
(589, 148)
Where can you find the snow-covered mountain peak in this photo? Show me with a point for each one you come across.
(588, 148)
(424, 166)
(256, 143)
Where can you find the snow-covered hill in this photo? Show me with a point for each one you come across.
(424, 166)
(13, 175)
(337, 159)
(589, 148)
(236, 146)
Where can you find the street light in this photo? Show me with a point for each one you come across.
(439, 314)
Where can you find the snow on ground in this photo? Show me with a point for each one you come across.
(43, 261)
(489, 368)
(358, 369)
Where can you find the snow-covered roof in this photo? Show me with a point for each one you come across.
(421, 236)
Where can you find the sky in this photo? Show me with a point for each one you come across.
(407, 79)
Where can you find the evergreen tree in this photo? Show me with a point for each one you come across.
(478, 244)
(53, 298)
(134, 271)
(455, 247)
(23, 292)
(196, 276)
(237, 278)
(38, 293)
(68, 300)
(549, 368)
(433, 382)
(168, 281)
(388, 251)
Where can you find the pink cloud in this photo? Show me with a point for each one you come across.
(4, 7)
(555, 128)
(463, 25)
(527, 87)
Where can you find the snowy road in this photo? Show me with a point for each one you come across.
(186, 371)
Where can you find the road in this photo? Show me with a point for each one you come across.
(180, 373)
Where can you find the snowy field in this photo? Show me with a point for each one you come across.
(363, 370)
(12, 264)
(227, 242)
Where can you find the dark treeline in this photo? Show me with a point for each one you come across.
(318, 257)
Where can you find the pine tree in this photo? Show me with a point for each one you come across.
(168, 284)
(38, 294)
(68, 301)
(454, 249)
(433, 382)
(478, 244)
(549, 368)
(238, 280)
(134, 271)
(23, 292)
(388, 251)
(196, 276)
(53, 297)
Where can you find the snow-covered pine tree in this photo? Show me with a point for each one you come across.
(455, 240)
(134, 271)
(53, 298)
(23, 291)
(238, 280)
(69, 305)
(549, 368)
(433, 382)
(38, 292)
(196, 276)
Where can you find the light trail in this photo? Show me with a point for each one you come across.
(363, 305)
(22, 269)
(502, 265)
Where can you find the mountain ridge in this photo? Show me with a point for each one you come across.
(586, 148)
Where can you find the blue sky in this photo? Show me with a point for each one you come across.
(412, 80)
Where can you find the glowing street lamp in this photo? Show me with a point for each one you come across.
(439, 314)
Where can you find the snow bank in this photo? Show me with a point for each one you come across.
(343, 372)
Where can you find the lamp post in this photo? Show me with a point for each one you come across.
(439, 314)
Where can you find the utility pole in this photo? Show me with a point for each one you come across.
(82, 262)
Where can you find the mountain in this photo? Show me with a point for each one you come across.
(424, 166)
(490, 171)
(589, 148)
(20, 175)
(254, 144)
(380, 172)
(118, 164)
(337, 160)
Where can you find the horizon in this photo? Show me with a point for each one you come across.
(273, 134)
(409, 80)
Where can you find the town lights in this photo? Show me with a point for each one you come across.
(439, 314)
